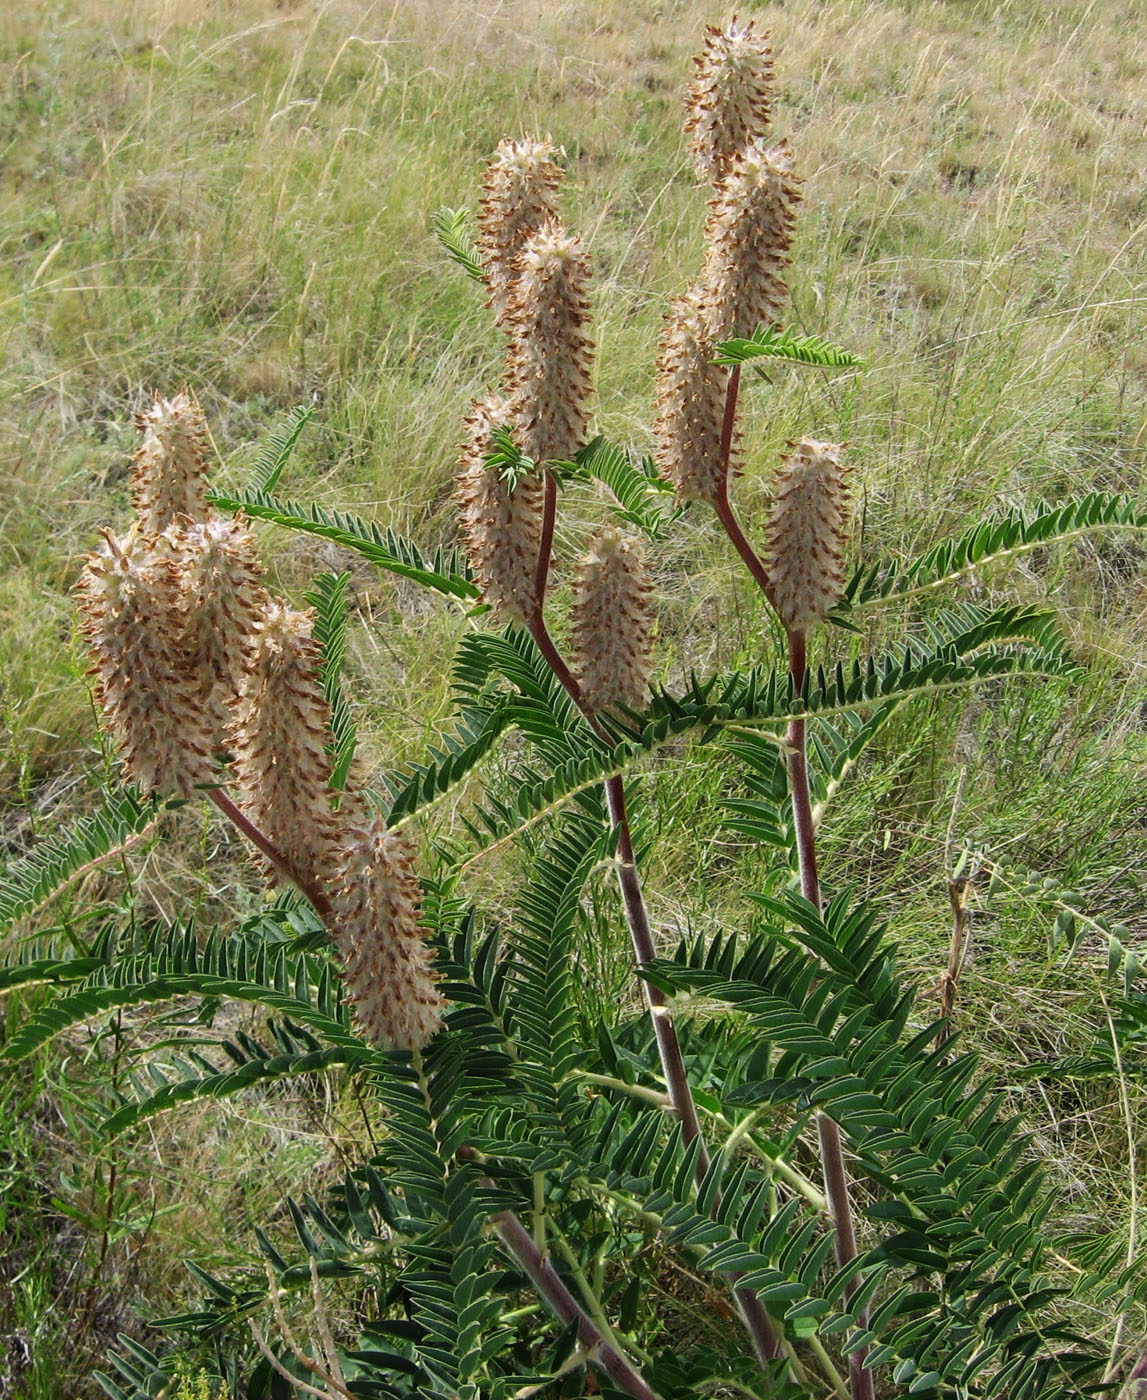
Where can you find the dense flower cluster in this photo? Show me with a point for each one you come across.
(730, 98)
(806, 533)
(548, 363)
(613, 623)
(518, 200)
(501, 523)
(191, 655)
(386, 960)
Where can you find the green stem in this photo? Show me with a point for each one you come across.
(592, 1302)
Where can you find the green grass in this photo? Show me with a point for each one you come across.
(239, 197)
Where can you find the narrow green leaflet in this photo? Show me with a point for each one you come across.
(328, 598)
(771, 343)
(445, 572)
(640, 491)
(453, 231)
(276, 451)
(1010, 535)
(218, 1086)
(57, 860)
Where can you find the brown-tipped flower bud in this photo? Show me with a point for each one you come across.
(518, 199)
(748, 235)
(501, 528)
(386, 959)
(690, 405)
(221, 598)
(128, 596)
(280, 733)
(167, 475)
(806, 533)
(729, 101)
(613, 623)
(548, 366)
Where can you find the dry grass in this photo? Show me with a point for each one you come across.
(237, 195)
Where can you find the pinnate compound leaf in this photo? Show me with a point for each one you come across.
(776, 343)
(453, 229)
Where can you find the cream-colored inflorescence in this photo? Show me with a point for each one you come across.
(729, 101)
(221, 599)
(518, 200)
(280, 732)
(127, 594)
(806, 533)
(548, 363)
(748, 235)
(502, 529)
(387, 962)
(613, 623)
(167, 475)
(690, 404)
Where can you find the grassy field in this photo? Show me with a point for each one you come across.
(237, 195)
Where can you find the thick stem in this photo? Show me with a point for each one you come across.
(832, 1153)
(321, 903)
(766, 1344)
(644, 951)
(546, 549)
(541, 1273)
(721, 504)
(732, 390)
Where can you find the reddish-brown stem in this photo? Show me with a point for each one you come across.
(756, 1319)
(322, 904)
(519, 1244)
(798, 780)
(836, 1186)
(721, 504)
(729, 423)
(546, 549)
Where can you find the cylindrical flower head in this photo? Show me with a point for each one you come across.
(613, 623)
(729, 103)
(167, 475)
(502, 529)
(280, 732)
(221, 598)
(548, 366)
(386, 960)
(518, 199)
(806, 533)
(127, 594)
(748, 235)
(690, 405)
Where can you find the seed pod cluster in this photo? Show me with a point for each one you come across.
(806, 533)
(387, 963)
(613, 623)
(747, 239)
(221, 599)
(280, 736)
(549, 357)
